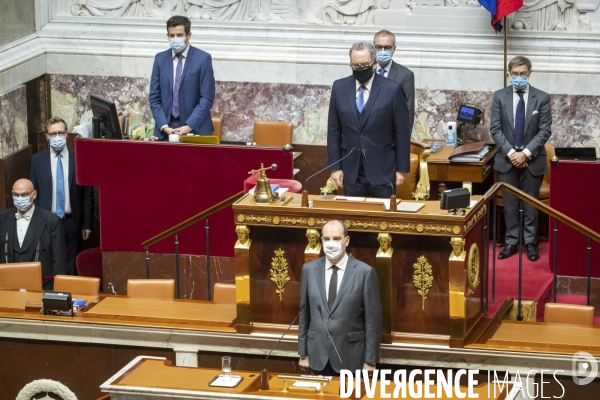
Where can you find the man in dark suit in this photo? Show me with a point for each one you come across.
(342, 293)
(29, 233)
(54, 178)
(369, 113)
(520, 126)
(182, 88)
(385, 44)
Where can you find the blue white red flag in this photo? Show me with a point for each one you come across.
(500, 9)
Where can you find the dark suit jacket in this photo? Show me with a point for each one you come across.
(80, 197)
(381, 131)
(406, 78)
(44, 229)
(196, 94)
(538, 124)
(354, 321)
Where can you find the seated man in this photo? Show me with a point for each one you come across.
(29, 233)
(341, 293)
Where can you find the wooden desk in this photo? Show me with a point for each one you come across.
(146, 377)
(446, 313)
(12, 300)
(442, 170)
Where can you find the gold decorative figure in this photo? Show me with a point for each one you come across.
(314, 243)
(385, 245)
(473, 269)
(279, 272)
(243, 234)
(263, 192)
(458, 248)
(330, 187)
(422, 278)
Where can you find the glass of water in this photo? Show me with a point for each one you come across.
(226, 366)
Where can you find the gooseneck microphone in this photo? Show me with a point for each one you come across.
(329, 336)
(264, 376)
(329, 166)
(375, 168)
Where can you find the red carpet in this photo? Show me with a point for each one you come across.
(537, 280)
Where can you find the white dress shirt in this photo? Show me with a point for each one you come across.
(175, 62)
(340, 273)
(367, 90)
(23, 224)
(386, 69)
(65, 164)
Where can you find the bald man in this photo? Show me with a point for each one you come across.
(29, 233)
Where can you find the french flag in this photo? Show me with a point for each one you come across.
(500, 9)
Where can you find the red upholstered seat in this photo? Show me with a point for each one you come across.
(89, 263)
(292, 185)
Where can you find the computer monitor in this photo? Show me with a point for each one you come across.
(106, 120)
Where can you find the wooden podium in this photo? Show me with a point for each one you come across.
(430, 264)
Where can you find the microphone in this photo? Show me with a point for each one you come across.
(329, 336)
(305, 192)
(393, 204)
(264, 376)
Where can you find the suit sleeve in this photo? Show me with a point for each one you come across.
(372, 317)
(88, 207)
(207, 95)
(59, 264)
(304, 321)
(496, 128)
(544, 128)
(334, 133)
(402, 131)
(409, 91)
(155, 96)
(33, 179)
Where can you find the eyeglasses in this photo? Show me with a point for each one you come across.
(57, 134)
(21, 195)
(359, 66)
(522, 74)
(386, 48)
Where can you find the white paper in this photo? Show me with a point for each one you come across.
(386, 202)
(224, 381)
(315, 385)
(349, 198)
(280, 190)
(410, 207)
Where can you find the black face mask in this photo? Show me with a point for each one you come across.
(363, 74)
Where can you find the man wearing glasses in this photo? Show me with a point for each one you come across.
(29, 233)
(385, 44)
(52, 173)
(520, 126)
(368, 132)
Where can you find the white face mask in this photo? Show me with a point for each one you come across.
(333, 250)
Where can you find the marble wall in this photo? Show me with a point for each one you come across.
(16, 20)
(13, 121)
(576, 119)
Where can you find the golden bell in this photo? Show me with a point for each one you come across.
(263, 192)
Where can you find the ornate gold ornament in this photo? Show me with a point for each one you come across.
(472, 221)
(458, 249)
(279, 272)
(473, 269)
(385, 245)
(422, 278)
(243, 234)
(314, 242)
(263, 192)
(241, 217)
(456, 229)
(423, 186)
(276, 220)
(330, 187)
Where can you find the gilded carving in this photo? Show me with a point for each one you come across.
(385, 245)
(243, 234)
(241, 217)
(473, 269)
(420, 228)
(311, 222)
(276, 220)
(456, 229)
(472, 221)
(330, 187)
(422, 278)
(458, 249)
(383, 225)
(314, 243)
(279, 272)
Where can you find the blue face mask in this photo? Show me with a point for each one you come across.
(177, 44)
(384, 56)
(519, 82)
(58, 143)
(22, 203)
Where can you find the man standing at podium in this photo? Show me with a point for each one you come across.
(368, 132)
(520, 126)
(338, 294)
(182, 88)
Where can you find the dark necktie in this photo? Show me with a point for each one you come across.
(332, 287)
(520, 121)
(175, 108)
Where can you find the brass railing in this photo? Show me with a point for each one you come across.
(490, 197)
(179, 227)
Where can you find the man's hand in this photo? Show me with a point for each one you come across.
(154, 138)
(184, 130)
(85, 233)
(304, 363)
(338, 177)
(399, 178)
(519, 159)
(368, 367)
(168, 130)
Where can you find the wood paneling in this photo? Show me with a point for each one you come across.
(13, 167)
